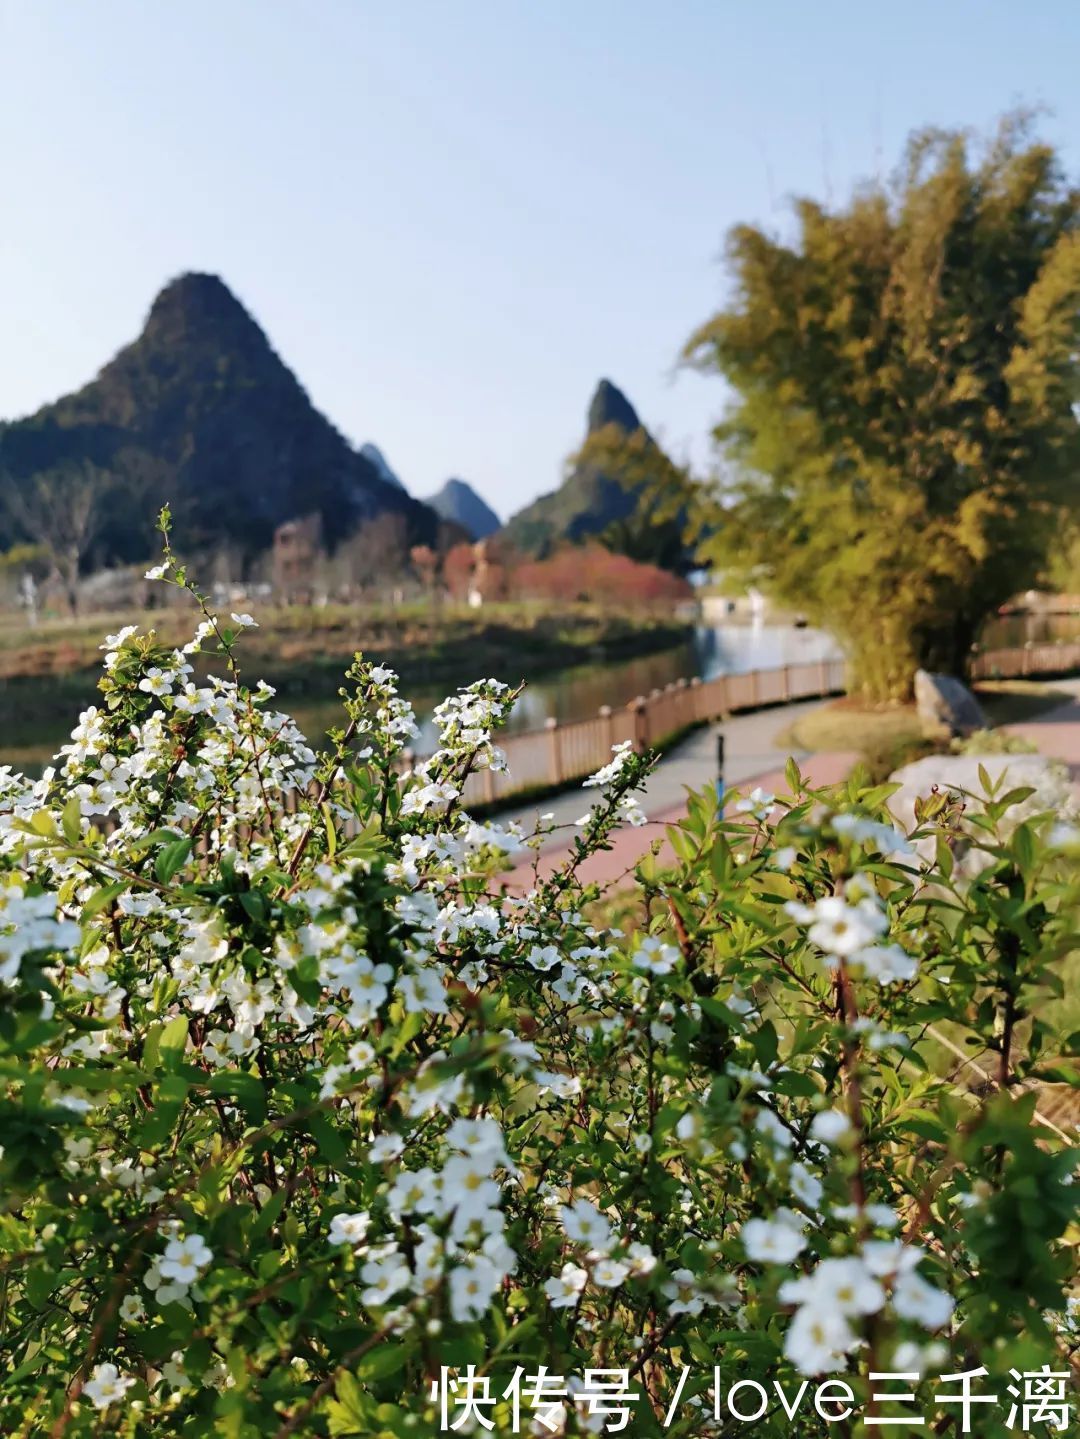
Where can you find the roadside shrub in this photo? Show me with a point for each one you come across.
(303, 1115)
(993, 741)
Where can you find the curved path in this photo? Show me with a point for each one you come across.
(751, 757)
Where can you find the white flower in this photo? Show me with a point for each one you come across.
(245, 621)
(613, 769)
(887, 963)
(386, 1147)
(838, 928)
(785, 857)
(172, 1371)
(888, 1257)
(630, 811)
(156, 572)
(583, 1222)
(886, 839)
(914, 1298)
(469, 1187)
(349, 1228)
(185, 1259)
(384, 1275)
(681, 1291)
(421, 992)
(843, 1284)
(771, 1241)
(482, 1138)
(609, 1273)
(806, 1187)
(655, 957)
(414, 1191)
(113, 642)
(817, 1340)
(920, 1359)
(830, 1126)
(564, 1290)
(640, 1259)
(106, 1386)
(132, 1310)
(471, 1288)
(421, 798)
(757, 803)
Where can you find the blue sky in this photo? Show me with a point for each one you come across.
(453, 218)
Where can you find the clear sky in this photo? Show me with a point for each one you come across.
(453, 216)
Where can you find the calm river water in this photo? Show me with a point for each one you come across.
(566, 694)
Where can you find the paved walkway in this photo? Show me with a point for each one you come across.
(752, 757)
(1056, 732)
(749, 749)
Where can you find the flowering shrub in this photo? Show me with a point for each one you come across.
(302, 1114)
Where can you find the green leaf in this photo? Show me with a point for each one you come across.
(382, 1361)
(331, 833)
(166, 1043)
(103, 899)
(172, 859)
(256, 904)
(245, 1088)
(40, 1283)
(71, 820)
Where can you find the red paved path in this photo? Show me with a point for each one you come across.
(1057, 732)
(613, 868)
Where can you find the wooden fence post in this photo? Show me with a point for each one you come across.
(609, 729)
(696, 693)
(551, 724)
(640, 726)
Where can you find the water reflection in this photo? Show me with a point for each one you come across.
(565, 694)
(714, 650)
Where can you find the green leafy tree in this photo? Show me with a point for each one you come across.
(654, 531)
(902, 440)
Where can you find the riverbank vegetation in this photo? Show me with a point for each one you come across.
(50, 672)
(421, 639)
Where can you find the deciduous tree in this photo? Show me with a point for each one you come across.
(902, 440)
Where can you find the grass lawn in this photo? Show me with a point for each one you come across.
(1013, 701)
(889, 736)
(886, 736)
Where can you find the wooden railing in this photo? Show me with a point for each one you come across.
(561, 753)
(1031, 659)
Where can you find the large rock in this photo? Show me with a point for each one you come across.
(946, 704)
(1048, 778)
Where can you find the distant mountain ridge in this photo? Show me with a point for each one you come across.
(588, 500)
(610, 494)
(200, 411)
(374, 456)
(459, 503)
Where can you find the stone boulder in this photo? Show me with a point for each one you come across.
(945, 704)
(1048, 778)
